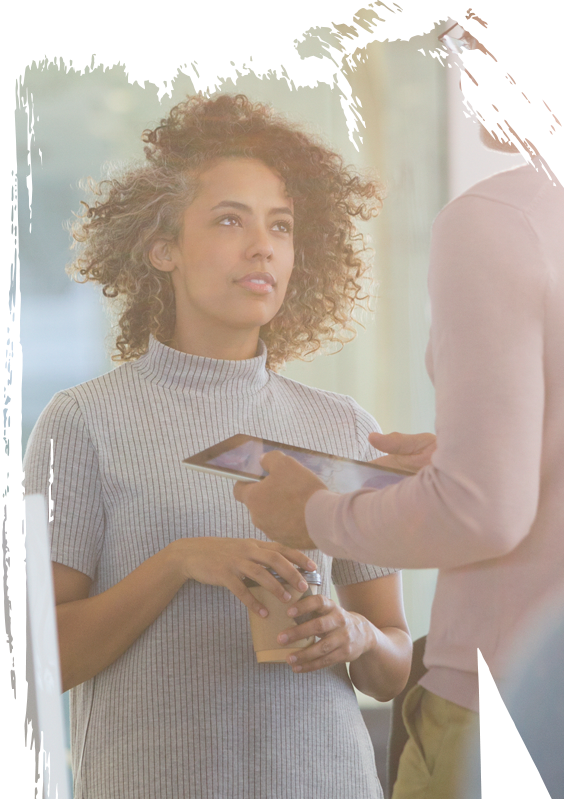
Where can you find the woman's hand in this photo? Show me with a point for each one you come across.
(227, 561)
(345, 636)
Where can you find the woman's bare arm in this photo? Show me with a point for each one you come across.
(383, 669)
(95, 631)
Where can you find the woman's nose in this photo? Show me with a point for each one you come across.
(260, 246)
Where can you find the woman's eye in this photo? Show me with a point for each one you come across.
(229, 220)
(284, 226)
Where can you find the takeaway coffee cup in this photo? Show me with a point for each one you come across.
(265, 631)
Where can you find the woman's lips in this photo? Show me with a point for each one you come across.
(257, 282)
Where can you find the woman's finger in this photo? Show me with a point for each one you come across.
(294, 556)
(285, 569)
(315, 603)
(320, 627)
(236, 586)
(257, 572)
(320, 655)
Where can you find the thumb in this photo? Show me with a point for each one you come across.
(403, 443)
(270, 461)
(392, 443)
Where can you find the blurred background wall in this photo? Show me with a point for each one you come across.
(417, 137)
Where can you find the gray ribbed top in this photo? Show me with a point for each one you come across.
(187, 711)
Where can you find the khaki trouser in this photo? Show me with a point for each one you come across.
(441, 756)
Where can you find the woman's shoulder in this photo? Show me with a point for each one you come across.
(115, 381)
(320, 395)
(319, 400)
(73, 405)
(75, 417)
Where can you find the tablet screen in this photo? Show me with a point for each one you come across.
(339, 474)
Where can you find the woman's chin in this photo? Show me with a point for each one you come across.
(251, 318)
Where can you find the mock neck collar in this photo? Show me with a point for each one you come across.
(171, 368)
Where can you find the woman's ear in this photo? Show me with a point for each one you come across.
(160, 255)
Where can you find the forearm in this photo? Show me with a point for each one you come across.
(94, 632)
(383, 669)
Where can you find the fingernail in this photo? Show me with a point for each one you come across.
(287, 597)
(283, 638)
(263, 612)
(293, 612)
(311, 565)
(296, 668)
(292, 659)
(302, 585)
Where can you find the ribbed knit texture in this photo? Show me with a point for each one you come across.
(187, 711)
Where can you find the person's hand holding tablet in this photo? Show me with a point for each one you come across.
(404, 451)
(277, 503)
(276, 480)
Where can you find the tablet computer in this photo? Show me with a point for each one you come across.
(238, 458)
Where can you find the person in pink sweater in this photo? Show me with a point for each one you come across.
(487, 505)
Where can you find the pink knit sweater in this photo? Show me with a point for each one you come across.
(489, 510)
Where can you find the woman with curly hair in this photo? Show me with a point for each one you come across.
(230, 251)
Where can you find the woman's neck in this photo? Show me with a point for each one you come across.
(227, 345)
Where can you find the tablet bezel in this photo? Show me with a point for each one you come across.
(200, 461)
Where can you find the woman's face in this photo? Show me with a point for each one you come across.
(233, 259)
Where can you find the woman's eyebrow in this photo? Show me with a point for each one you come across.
(242, 207)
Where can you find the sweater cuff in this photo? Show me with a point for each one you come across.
(321, 513)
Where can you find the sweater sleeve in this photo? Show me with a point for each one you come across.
(61, 463)
(478, 497)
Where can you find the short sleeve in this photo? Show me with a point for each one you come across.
(348, 572)
(61, 463)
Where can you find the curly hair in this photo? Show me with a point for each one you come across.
(114, 235)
